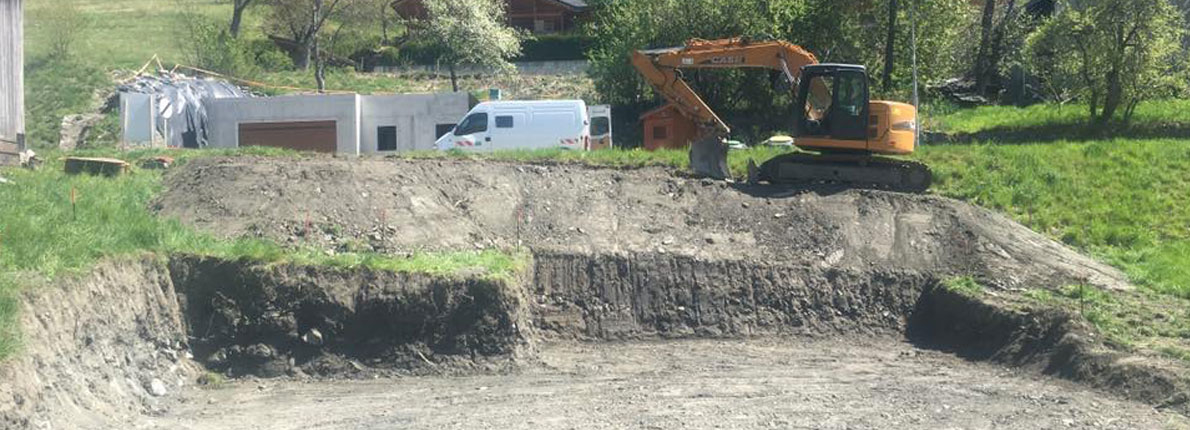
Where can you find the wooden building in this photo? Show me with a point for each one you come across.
(666, 127)
(536, 16)
(12, 92)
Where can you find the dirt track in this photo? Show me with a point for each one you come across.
(800, 383)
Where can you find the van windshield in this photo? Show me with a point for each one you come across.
(600, 126)
(474, 123)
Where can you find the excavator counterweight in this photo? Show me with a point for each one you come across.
(844, 134)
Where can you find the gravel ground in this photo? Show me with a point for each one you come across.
(841, 383)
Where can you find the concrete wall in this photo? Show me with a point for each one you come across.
(225, 116)
(414, 115)
(12, 93)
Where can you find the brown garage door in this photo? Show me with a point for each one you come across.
(298, 135)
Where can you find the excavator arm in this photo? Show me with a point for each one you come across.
(661, 68)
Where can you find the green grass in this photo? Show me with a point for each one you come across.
(1134, 320)
(1173, 113)
(964, 285)
(337, 79)
(737, 161)
(42, 233)
(1121, 200)
(126, 33)
(55, 88)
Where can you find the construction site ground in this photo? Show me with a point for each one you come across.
(648, 300)
(798, 383)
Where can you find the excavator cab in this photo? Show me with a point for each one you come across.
(833, 99)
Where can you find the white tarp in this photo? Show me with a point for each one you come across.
(178, 103)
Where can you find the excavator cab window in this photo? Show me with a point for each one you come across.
(835, 102)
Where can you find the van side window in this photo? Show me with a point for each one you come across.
(600, 126)
(474, 123)
(504, 121)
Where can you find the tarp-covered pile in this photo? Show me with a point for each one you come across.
(178, 100)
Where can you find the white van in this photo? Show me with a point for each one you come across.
(491, 126)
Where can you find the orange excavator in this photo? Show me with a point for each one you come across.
(843, 136)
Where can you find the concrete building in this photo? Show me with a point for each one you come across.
(349, 124)
(12, 92)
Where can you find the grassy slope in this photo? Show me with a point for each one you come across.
(125, 33)
(41, 233)
(1169, 113)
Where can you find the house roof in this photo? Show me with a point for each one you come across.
(657, 110)
(575, 5)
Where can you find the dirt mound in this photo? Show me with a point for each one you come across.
(399, 205)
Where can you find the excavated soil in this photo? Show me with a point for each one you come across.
(650, 301)
(399, 206)
(788, 383)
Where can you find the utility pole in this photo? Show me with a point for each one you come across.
(913, 61)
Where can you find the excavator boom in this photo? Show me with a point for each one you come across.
(838, 121)
(661, 68)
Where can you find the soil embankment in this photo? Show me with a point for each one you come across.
(98, 348)
(399, 206)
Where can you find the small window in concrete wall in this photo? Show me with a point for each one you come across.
(441, 130)
(386, 138)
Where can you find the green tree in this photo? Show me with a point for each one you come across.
(848, 31)
(303, 21)
(468, 32)
(1111, 53)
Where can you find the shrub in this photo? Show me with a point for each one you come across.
(210, 46)
(555, 47)
(267, 56)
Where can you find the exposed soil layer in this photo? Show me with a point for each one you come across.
(398, 205)
(639, 295)
(760, 383)
(268, 321)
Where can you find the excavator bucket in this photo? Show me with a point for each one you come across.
(708, 158)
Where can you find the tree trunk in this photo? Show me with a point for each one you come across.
(302, 54)
(237, 15)
(319, 68)
(384, 23)
(454, 79)
(985, 41)
(1111, 100)
(997, 53)
(889, 44)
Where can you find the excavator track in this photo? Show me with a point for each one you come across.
(860, 170)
